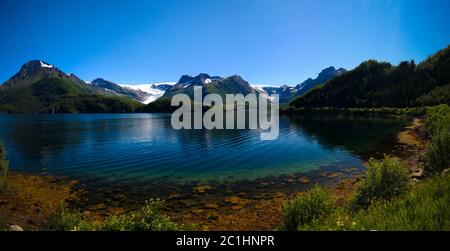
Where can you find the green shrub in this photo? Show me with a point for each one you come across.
(385, 180)
(437, 119)
(3, 167)
(308, 209)
(424, 208)
(65, 220)
(437, 154)
(149, 218)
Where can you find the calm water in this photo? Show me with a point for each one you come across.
(144, 147)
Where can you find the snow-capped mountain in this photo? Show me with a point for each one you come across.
(211, 85)
(40, 87)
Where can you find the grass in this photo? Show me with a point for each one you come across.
(149, 218)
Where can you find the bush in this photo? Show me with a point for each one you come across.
(64, 220)
(437, 154)
(149, 218)
(385, 180)
(308, 209)
(424, 208)
(437, 119)
(3, 167)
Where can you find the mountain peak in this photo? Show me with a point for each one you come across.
(200, 79)
(328, 73)
(329, 69)
(35, 64)
(99, 80)
(185, 79)
(34, 70)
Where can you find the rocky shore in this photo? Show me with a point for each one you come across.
(28, 200)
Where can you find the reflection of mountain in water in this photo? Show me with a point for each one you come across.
(360, 135)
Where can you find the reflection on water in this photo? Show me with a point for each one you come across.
(144, 147)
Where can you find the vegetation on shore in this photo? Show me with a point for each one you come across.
(437, 155)
(379, 111)
(385, 198)
(149, 218)
(425, 207)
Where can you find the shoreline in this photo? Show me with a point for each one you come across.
(227, 210)
(29, 199)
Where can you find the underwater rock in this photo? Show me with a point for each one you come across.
(202, 189)
(304, 180)
(214, 206)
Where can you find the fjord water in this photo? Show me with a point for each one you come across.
(145, 148)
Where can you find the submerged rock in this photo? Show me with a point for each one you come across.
(350, 170)
(202, 189)
(212, 206)
(304, 180)
(197, 211)
(233, 200)
(237, 207)
(333, 175)
(212, 216)
(174, 196)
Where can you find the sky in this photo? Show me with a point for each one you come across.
(265, 41)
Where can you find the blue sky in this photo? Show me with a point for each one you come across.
(264, 41)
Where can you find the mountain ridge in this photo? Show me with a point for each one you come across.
(288, 93)
(211, 85)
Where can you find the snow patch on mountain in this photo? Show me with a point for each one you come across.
(46, 65)
(154, 91)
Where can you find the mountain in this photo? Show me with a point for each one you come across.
(288, 93)
(36, 70)
(378, 84)
(211, 84)
(40, 87)
(324, 76)
(115, 89)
